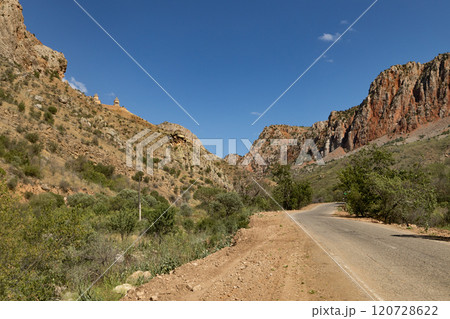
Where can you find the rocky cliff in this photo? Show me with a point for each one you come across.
(400, 100)
(20, 46)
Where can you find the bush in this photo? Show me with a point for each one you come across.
(48, 117)
(127, 198)
(95, 173)
(2, 172)
(12, 183)
(32, 171)
(21, 107)
(188, 224)
(80, 200)
(46, 202)
(35, 114)
(207, 194)
(53, 110)
(160, 220)
(231, 202)
(28, 195)
(158, 197)
(186, 210)
(64, 185)
(32, 137)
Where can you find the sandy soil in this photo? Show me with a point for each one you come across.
(272, 260)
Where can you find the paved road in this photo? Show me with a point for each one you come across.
(389, 264)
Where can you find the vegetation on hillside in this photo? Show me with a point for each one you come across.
(54, 249)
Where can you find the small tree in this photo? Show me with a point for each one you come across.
(161, 219)
(123, 222)
(289, 193)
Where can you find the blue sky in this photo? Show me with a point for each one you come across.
(227, 61)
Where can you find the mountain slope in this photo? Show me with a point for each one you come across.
(69, 125)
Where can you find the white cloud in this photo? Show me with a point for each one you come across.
(77, 85)
(255, 113)
(111, 94)
(327, 59)
(328, 37)
(344, 22)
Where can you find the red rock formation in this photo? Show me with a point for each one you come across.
(400, 100)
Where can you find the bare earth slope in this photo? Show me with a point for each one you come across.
(272, 260)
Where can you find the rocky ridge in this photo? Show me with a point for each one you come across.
(401, 99)
(20, 46)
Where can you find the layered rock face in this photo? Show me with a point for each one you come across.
(400, 100)
(20, 46)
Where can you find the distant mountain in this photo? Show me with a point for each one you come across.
(401, 100)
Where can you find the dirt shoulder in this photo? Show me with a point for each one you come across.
(438, 233)
(272, 260)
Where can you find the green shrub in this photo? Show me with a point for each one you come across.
(64, 185)
(12, 183)
(48, 117)
(35, 114)
(21, 107)
(231, 202)
(186, 210)
(28, 195)
(52, 147)
(46, 202)
(32, 170)
(32, 137)
(95, 173)
(81, 200)
(61, 129)
(188, 224)
(102, 205)
(158, 197)
(2, 172)
(161, 219)
(53, 110)
(207, 194)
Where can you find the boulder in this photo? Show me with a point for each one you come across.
(39, 98)
(123, 289)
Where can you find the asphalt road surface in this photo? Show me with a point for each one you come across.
(389, 264)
